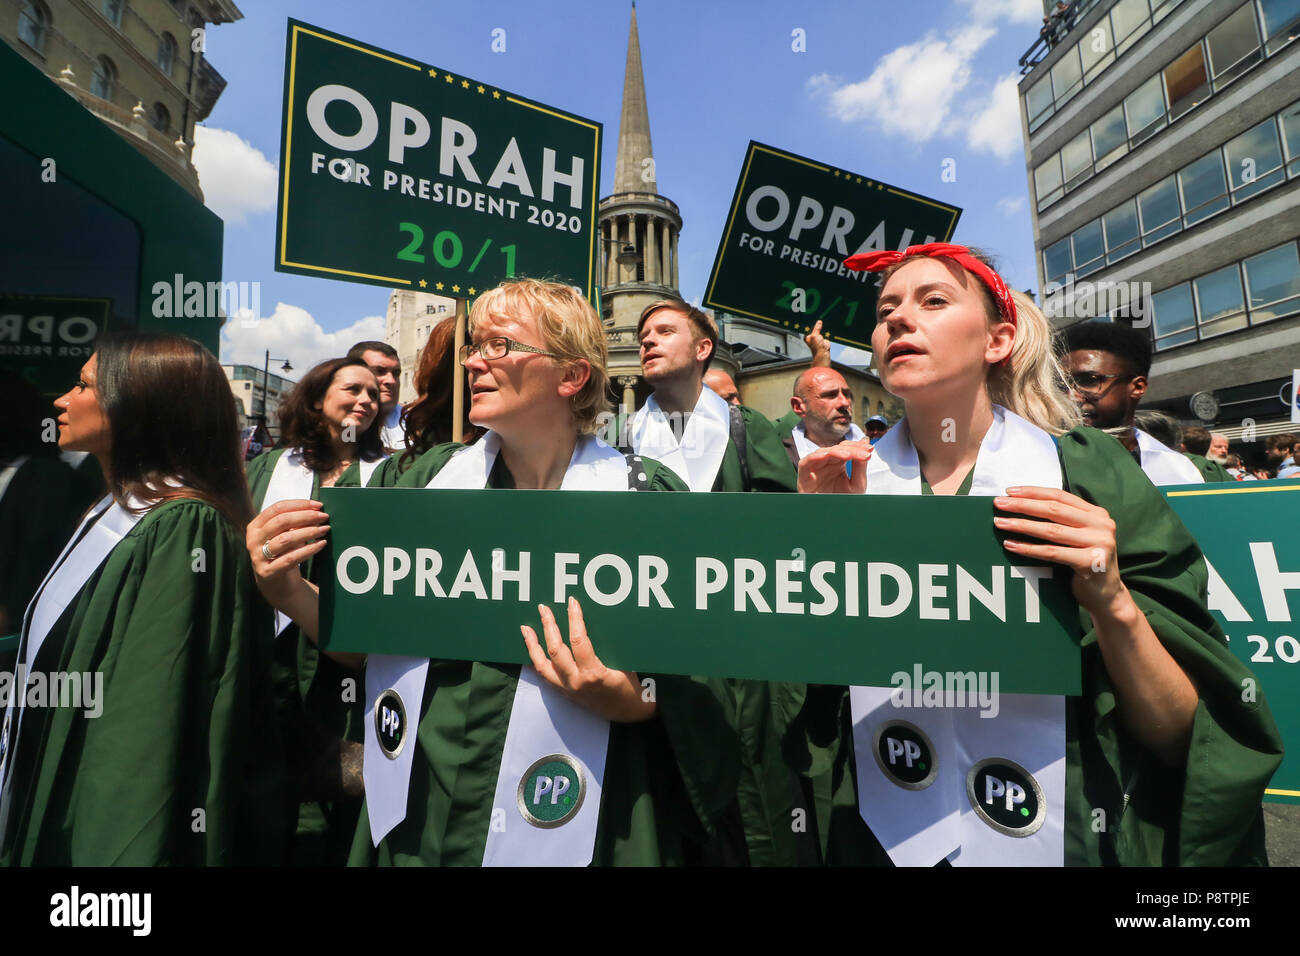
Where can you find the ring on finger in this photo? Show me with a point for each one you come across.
(266, 550)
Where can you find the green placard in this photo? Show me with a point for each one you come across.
(401, 174)
(1248, 534)
(825, 589)
(792, 223)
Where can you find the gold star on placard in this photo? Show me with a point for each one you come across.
(482, 88)
(447, 77)
(438, 286)
(837, 173)
(455, 288)
(859, 179)
(465, 83)
(471, 290)
(423, 283)
(432, 71)
(496, 95)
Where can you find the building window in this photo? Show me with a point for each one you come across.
(104, 79)
(1162, 8)
(1129, 20)
(113, 11)
(1097, 50)
(1076, 161)
(1290, 118)
(1281, 22)
(1038, 103)
(1273, 283)
(159, 118)
(1219, 304)
(1047, 181)
(1204, 188)
(1234, 46)
(1254, 160)
(1174, 316)
(33, 25)
(1067, 76)
(167, 53)
(1186, 82)
(1088, 248)
(1158, 208)
(1121, 227)
(1056, 260)
(1108, 140)
(1144, 110)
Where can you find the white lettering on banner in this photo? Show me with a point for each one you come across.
(1273, 582)
(410, 132)
(774, 214)
(746, 585)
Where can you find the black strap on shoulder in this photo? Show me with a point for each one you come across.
(636, 473)
(738, 437)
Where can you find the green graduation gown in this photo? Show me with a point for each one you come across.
(1210, 470)
(39, 509)
(181, 766)
(1206, 813)
(319, 702)
(666, 780)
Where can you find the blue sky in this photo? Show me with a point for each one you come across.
(877, 92)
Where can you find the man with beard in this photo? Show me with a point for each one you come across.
(824, 403)
(1109, 363)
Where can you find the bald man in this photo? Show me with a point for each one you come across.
(824, 403)
(720, 382)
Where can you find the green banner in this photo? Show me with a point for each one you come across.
(1248, 534)
(792, 223)
(47, 338)
(402, 174)
(826, 589)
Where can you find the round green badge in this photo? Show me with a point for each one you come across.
(551, 791)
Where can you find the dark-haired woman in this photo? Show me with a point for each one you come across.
(330, 437)
(153, 749)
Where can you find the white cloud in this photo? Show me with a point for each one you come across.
(236, 178)
(1017, 11)
(911, 90)
(291, 332)
(996, 128)
(1010, 205)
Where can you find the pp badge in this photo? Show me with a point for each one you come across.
(905, 755)
(390, 723)
(1006, 796)
(551, 791)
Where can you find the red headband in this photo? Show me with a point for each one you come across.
(878, 261)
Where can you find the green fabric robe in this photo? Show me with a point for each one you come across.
(1207, 813)
(41, 507)
(310, 698)
(666, 780)
(182, 764)
(1210, 470)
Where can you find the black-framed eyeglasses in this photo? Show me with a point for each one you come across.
(498, 347)
(1094, 382)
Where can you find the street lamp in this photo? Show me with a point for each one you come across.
(266, 378)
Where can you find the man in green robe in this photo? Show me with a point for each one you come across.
(666, 780)
(180, 765)
(321, 712)
(1206, 812)
(723, 448)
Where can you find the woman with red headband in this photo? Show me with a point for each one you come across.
(1163, 759)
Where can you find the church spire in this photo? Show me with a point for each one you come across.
(632, 173)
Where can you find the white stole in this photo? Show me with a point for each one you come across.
(805, 445)
(542, 721)
(291, 480)
(919, 827)
(95, 538)
(697, 457)
(1163, 465)
(392, 435)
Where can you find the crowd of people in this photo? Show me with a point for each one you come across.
(228, 736)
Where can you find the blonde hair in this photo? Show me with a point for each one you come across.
(569, 327)
(1032, 381)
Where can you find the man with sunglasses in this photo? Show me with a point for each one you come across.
(1109, 363)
